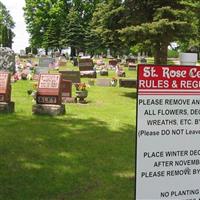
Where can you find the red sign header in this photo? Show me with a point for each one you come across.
(168, 79)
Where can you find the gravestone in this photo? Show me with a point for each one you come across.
(7, 60)
(105, 82)
(75, 61)
(85, 64)
(189, 59)
(143, 60)
(22, 52)
(86, 67)
(62, 61)
(132, 66)
(128, 83)
(6, 106)
(113, 62)
(49, 95)
(73, 76)
(44, 64)
(67, 92)
(130, 60)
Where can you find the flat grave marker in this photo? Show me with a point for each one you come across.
(105, 82)
(128, 83)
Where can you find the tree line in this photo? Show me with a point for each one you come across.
(6, 27)
(93, 26)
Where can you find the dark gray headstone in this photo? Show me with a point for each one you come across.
(73, 76)
(44, 64)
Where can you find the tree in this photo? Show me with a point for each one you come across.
(106, 23)
(193, 44)
(44, 20)
(48, 22)
(74, 32)
(157, 23)
(6, 26)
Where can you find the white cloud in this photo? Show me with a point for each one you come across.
(16, 10)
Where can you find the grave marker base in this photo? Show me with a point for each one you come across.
(7, 107)
(48, 109)
(68, 100)
(128, 83)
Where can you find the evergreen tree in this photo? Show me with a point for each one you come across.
(157, 23)
(6, 26)
(73, 35)
(106, 23)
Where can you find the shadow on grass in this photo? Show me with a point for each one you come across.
(132, 95)
(64, 158)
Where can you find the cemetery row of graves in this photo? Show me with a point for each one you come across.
(86, 153)
(54, 80)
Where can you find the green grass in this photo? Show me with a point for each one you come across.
(87, 154)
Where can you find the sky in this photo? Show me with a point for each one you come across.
(21, 35)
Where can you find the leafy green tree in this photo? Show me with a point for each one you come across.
(44, 20)
(106, 23)
(51, 24)
(74, 33)
(193, 44)
(157, 23)
(6, 26)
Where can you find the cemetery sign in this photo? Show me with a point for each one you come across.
(168, 133)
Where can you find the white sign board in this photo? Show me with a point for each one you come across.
(168, 133)
(188, 58)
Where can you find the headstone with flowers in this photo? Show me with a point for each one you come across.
(6, 106)
(49, 95)
(81, 92)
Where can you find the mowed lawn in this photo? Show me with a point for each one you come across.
(86, 154)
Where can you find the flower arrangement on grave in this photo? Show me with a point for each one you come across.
(80, 86)
(33, 91)
(114, 82)
(81, 91)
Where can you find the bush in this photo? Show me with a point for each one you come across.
(173, 54)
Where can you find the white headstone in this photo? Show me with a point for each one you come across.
(188, 59)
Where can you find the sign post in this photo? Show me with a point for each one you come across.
(168, 133)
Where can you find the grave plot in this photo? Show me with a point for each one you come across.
(44, 65)
(86, 67)
(49, 95)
